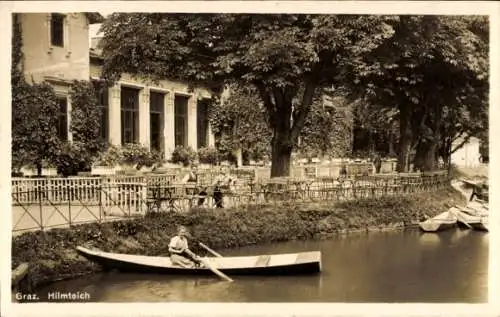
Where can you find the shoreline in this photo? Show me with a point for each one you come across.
(52, 257)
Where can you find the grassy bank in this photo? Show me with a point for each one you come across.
(52, 255)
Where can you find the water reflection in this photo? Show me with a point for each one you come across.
(430, 239)
(399, 266)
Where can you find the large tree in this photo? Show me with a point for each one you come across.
(432, 68)
(285, 57)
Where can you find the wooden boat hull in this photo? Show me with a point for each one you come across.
(278, 264)
(441, 222)
(477, 222)
(435, 226)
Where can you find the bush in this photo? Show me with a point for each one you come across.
(208, 155)
(138, 154)
(129, 154)
(73, 159)
(184, 155)
(112, 156)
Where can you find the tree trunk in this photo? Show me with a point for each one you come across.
(426, 158)
(281, 158)
(285, 121)
(238, 154)
(392, 151)
(445, 151)
(39, 169)
(418, 161)
(405, 140)
(429, 148)
(429, 157)
(404, 155)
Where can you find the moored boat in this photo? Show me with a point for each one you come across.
(440, 222)
(275, 264)
(471, 219)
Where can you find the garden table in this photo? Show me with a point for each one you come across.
(172, 197)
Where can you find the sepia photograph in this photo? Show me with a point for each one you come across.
(248, 157)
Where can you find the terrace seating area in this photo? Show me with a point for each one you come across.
(51, 202)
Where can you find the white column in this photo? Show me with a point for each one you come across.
(169, 125)
(192, 139)
(144, 132)
(115, 136)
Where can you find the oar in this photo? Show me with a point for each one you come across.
(208, 265)
(463, 221)
(466, 224)
(210, 250)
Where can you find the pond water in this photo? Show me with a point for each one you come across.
(391, 266)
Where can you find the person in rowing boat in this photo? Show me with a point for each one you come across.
(179, 250)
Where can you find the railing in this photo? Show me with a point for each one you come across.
(30, 190)
(46, 203)
(56, 207)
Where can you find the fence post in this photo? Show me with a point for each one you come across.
(40, 205)
(69, 211)
(144, 206)
(100, 202)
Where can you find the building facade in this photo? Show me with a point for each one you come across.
(59, 49)
(468, 155)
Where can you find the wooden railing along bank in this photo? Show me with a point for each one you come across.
(41, 200)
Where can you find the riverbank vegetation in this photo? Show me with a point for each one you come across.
(52, 256)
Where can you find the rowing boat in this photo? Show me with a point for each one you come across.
(440, 222)
(477, 221)
(275, 264)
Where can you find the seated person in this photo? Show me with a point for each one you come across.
(180, 255)
(222, 183)
(191, 178)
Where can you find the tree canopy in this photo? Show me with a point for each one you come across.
(434, 72)
(284, 56)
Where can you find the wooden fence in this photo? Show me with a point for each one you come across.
(52, 202)
(88, 189)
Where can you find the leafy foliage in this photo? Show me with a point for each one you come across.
(239, 122)
(432, 67)
(35, 120)
(85, 115)
(85, 127)
(328, 128)
(17, 49)
(34, 125)
(184, 155)
(208, 155)
(110, 157)
(34, 134)
(132, 153)
(284, 57)
(73, 158)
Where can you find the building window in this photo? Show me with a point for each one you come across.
(129, 115)
(202, 123)
(181, 123)
(62, 118)
(57, 30)
(103, 105)
(156, 120)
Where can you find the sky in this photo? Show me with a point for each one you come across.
(93, 29)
